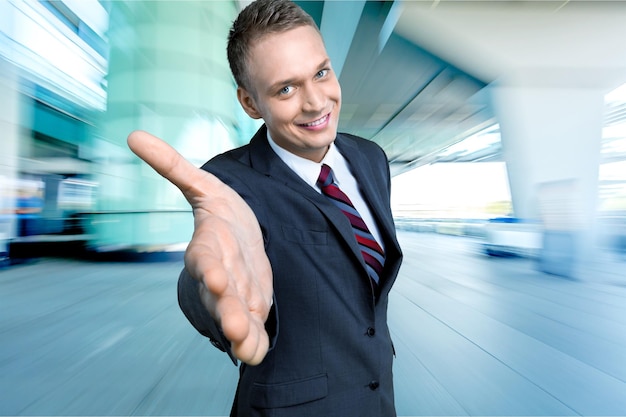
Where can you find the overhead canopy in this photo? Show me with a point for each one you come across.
(415, 74)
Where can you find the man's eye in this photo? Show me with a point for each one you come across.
(321, 73)
(286, 90)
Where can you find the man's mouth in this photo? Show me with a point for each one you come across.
(316, 122)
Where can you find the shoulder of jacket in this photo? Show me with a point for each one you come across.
(366, 146)
(358, 140)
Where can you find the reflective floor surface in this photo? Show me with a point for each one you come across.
(474, 336)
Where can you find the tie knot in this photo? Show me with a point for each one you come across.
(326, 176)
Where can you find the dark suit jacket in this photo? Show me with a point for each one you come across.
(331, 352)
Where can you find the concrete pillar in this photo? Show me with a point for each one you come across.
(551, 138)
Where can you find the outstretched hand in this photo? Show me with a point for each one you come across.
(226, 253)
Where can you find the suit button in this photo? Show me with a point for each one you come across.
(374, 385)
(371, 331)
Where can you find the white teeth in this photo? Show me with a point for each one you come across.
(316, 123)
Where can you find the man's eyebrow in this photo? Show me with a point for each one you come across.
(325, 63)
(289, 81)
(279, 84)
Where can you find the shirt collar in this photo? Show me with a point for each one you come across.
(306, 169)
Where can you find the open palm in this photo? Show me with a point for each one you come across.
(226, 252)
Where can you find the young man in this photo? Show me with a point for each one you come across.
(284, 272)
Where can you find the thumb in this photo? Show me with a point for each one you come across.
(170, 164)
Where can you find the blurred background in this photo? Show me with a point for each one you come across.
(496, 116)
(504, 123)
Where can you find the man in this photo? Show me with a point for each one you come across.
(277, 274)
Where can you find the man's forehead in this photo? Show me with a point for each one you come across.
(295, 53)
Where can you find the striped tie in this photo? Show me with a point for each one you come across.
(373, 254)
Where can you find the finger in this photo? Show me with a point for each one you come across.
(234, 318)
(246, 331)
(205, 265)
(168, 162)
(253, 349)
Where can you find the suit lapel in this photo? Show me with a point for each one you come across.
(365, 175)
(368, 176)
(265, 160)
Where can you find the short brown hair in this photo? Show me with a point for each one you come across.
(258, 19)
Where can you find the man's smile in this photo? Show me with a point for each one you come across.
(316, 123)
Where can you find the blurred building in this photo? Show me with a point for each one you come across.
(77, 76)
(54, 61)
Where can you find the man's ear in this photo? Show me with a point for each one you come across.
(248, 103)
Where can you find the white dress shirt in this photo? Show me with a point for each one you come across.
(309, 171)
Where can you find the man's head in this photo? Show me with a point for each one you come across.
(260, 18)
(285, 77)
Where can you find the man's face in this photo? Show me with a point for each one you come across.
(294, 90)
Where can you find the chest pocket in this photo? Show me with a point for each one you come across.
(304, 237)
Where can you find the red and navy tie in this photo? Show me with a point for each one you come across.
(373, 254)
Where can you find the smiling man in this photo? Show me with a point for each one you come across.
(294, 90)
(294, 249)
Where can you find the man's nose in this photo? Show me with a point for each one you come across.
(314, 99)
